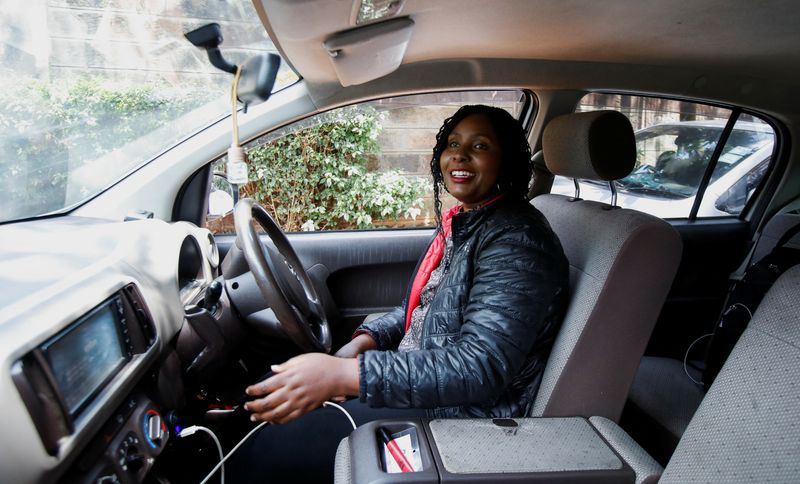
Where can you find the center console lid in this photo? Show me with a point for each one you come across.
(572, 449)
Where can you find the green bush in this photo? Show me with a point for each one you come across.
(52, 128)
(317, 177)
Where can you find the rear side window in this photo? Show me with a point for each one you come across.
(675, 144)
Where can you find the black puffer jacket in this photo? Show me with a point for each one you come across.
(490, 326)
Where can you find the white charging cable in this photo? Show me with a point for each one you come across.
(191, 431)
(686, 358)
(221, 464)
(341, 408)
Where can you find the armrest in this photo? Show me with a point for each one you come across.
(647, 470)
(504, 450)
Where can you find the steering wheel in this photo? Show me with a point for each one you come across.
(281, 278)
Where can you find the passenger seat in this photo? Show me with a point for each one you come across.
(622, 263)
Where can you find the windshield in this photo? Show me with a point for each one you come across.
(92, 90)
(671, 159)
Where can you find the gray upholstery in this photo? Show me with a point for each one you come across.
(646, 468)
(476, 446)
(542, 180)
(372, 317)
(747, 428)
(663, 391)
(597, 146)
(341, 470)
(622, 263)
(777, 226)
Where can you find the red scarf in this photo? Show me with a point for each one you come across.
(432, 259)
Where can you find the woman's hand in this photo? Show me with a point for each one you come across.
(300, 385)
(356, 346)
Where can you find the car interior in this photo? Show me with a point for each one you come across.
(128, 317)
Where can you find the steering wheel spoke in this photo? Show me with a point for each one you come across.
(281, 278)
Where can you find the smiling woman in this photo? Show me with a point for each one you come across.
(103, 91)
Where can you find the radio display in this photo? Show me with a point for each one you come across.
(84, 357)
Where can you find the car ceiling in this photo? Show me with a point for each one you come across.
(740, 52)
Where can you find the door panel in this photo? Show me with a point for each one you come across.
(712, 249)
(369, 271)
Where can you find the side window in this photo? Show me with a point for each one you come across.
(675, 143)
(365, 166)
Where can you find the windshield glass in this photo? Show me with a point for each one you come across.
(91, 90)
(671, 159)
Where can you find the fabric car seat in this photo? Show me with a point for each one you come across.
(746, 428)
(622, 263)
(665, 392)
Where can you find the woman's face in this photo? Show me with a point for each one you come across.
(470, 163)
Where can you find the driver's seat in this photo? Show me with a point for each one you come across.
(622, 263)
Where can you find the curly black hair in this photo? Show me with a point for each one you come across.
(516, 166)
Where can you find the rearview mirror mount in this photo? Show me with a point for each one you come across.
(257, 74)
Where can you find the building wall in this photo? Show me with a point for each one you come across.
(60, 39)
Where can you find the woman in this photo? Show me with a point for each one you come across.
(473, 336)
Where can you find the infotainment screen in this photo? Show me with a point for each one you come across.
(84, 357)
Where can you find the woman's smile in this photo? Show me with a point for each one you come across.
(461, 176)
(471, 162)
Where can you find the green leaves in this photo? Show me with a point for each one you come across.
(56, 128)
(317, 177)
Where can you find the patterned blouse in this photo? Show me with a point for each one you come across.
(412, 340)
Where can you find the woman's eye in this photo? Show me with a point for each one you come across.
(481, 146)
(453, 144)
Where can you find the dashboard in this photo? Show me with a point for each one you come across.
(89, 309)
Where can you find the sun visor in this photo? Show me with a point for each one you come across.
(366, 53)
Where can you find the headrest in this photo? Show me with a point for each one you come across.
(597, 146)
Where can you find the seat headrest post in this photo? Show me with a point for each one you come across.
(577, 189)
(613, 188)
(598, 145)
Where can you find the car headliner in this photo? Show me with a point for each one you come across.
(740, 52)
(733, 53)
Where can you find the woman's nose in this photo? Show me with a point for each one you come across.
(458, 154)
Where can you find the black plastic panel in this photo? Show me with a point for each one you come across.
(712, 249)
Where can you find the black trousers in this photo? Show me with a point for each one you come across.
(303, 450)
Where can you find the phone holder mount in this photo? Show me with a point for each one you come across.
(209, 37)
(257, 73)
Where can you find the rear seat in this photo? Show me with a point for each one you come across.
(663, 398)
(746, 428)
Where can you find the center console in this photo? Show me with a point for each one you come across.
(573, 449)
(127, 446)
